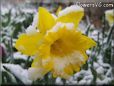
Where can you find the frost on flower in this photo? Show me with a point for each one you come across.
(58, 46)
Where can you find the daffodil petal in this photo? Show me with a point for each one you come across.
(84, 42)
(28, 44)
(38, 70)
(44, 49)
(46, 20)
(47, 63)
(72, 14)
(59, 67)
(37, 62)
(68, 69)
(66, 65)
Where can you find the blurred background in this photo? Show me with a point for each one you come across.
(17, 15)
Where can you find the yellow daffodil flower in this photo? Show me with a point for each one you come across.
(56, 43)
(110, 16)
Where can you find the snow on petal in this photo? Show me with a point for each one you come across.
(72, 14)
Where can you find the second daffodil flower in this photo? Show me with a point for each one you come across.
(55, 42)
(109, 14)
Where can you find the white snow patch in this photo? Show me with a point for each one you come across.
(29, 10)
(109, 71)
(82, 82)
(35, 73)
(104, 81)
(18, 55)
(88, 52)
(100, 70)
(95, 65)
(19, 72)
(73, 8)
(70, 25)
(31, 30)
(88, 81)
(59, 81)
(35, 20)
(59, 25)
(89, 77)
(54, 16)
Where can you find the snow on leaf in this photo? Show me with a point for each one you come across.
(19, 72)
